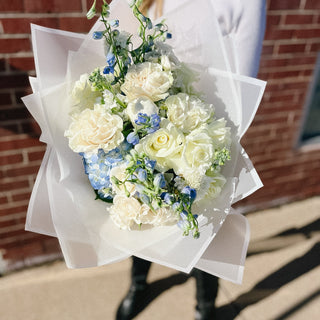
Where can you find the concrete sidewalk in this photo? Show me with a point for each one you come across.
(282, 280)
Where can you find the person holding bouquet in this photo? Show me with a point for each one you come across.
(245, 21)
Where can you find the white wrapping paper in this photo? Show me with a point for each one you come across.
(62, 202)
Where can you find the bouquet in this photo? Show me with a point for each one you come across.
(143, 149)
(149, 143)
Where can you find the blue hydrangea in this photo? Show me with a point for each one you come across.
(98, 166)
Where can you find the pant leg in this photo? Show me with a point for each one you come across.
(139, 271)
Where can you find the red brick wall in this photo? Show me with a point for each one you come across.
(290, 48)
(289, 54)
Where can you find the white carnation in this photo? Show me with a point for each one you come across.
(94, 129)
(188, 112)
(147, 79)
(160, 217)
(124, 211)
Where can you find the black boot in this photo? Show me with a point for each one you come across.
(207, 291)
(132, 303)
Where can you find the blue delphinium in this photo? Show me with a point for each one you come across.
(147, 124)
(133, 138)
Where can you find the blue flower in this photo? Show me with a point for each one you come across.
(108, 70)
(176, 206)
(190, 192)
(111, 59)
(144, 198)
(105, 193)
(114, 156)
(133, 138)
(142, 175)
(167, 197)
(150, 164)
(159, 181)
(142, 119)
(114, 23)
(97, 35)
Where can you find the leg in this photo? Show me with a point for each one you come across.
(206, 293)
(132, 302)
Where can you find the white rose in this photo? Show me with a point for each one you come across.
(220, 134)
(120, 173)
(147, 79)
(163, 145)
(124, 211)
(83, 94)
(196, 158)
(95, 129)
(140, 105)
(188, 112)
(198, 150)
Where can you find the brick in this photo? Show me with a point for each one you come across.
(15, 45)
(22, 25)
(5, 98)
(299, 19)
(267, 49)
(307, 33)
(21, 196)
(315, 47)
(16, 185)
(76, 24)
(35, 156)
(3, 200)
(23, 64)
(275, 34)
(48, 6)
(284, 4)
(273, 20)
(13, 81)
(280, 75)
(2, 64)
(283, 62)
(51, 245)
(292, 48)
(312, 4)
(9, 130)
(21, 93)
(13, 210)
(32, 128)
(14, 113)
(20, 144)
(10, 223)
(18, 232)
(22, 171)
(11, 6)
(11, 159)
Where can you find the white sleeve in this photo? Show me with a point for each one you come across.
(249, 35)
(245, 21)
